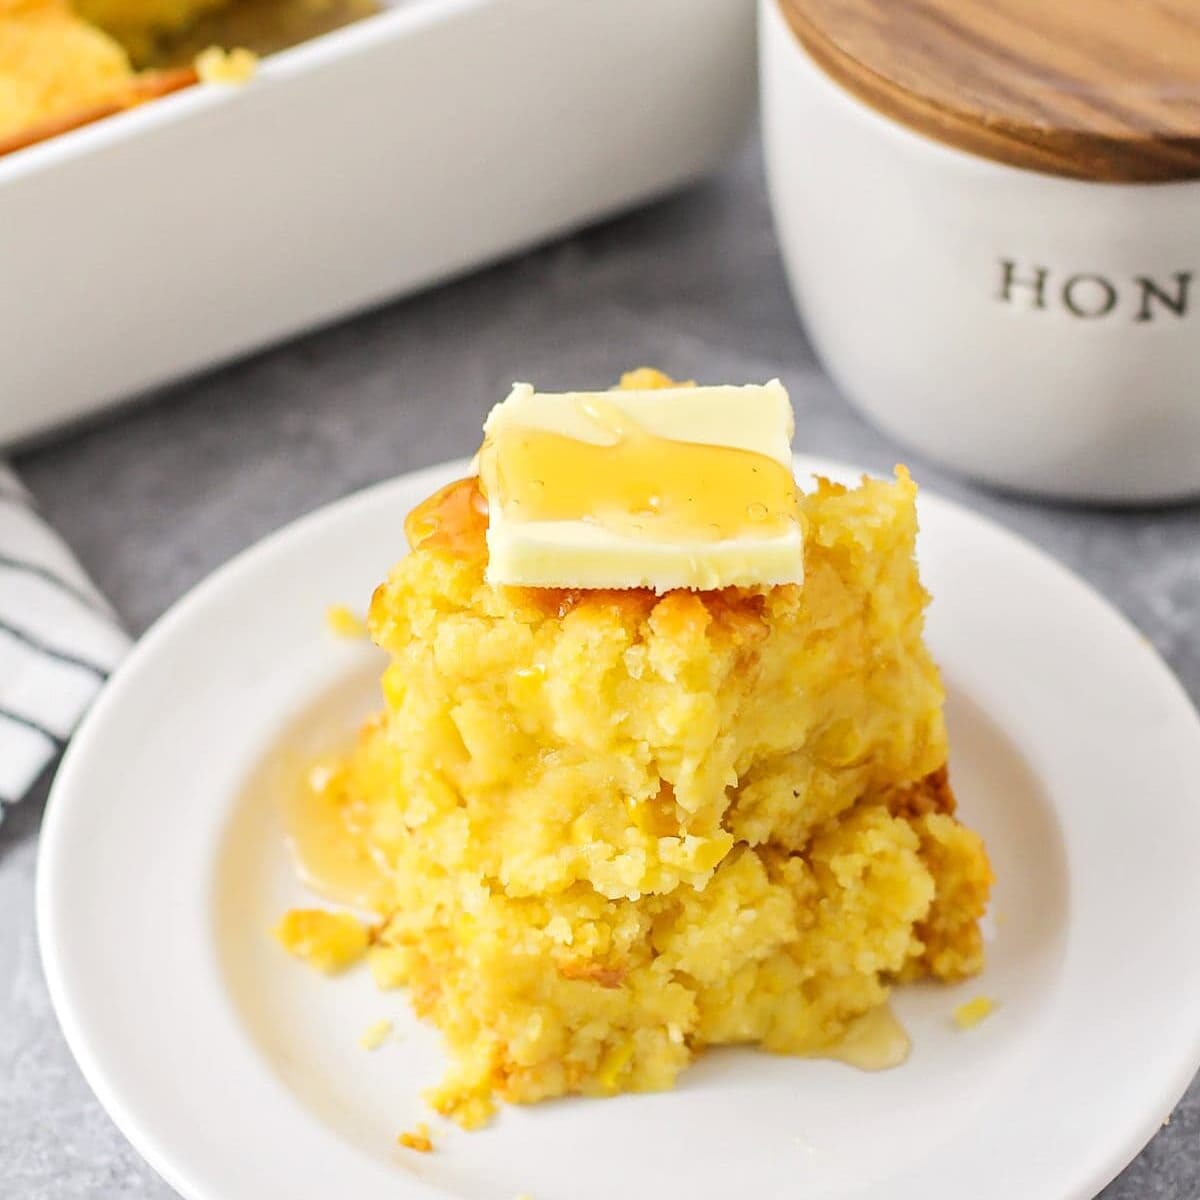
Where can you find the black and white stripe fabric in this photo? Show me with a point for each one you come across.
(59, 640)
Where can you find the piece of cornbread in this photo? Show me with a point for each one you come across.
(615, 827)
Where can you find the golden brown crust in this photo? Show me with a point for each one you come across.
(592, 972)
(150, 85)
(933, 794)
(454, 520)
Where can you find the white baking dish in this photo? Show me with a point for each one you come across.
(367, 163)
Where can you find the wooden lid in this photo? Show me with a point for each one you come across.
(1094, 89)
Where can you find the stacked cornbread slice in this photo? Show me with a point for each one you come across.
(613, 825)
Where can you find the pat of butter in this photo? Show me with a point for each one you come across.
(686, 487)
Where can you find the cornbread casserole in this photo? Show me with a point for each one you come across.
(604, 829)
(137, 23)
(65, 63)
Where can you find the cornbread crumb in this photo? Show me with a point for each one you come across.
(375, 1035)
(417, 1139)
(643, 379)
(139, 24)
(326, 940)
(344, 622)
(216, 65)
(968, 1015)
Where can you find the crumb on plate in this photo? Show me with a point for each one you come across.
(329, 941)
(375, 1035)
(417, 1139)
(345, 622)
(970, 1014)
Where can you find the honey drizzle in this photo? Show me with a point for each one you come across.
(454, 518)
(639, 484)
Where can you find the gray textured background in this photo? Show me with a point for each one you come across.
(156, 497)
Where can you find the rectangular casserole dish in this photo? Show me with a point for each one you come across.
(372, 161)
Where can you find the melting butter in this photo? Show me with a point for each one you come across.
(876, 1041)
(663, 488)
(640, 484)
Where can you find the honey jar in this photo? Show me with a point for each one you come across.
(990, 217)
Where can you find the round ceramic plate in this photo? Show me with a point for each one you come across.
(238, 1072)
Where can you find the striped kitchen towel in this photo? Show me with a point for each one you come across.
(59, 640)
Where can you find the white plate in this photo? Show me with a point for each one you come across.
(237, 1072)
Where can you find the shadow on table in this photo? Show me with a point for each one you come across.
(22, 821)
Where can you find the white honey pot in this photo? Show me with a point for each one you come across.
(990, 218)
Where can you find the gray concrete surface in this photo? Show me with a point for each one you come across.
(155, 497)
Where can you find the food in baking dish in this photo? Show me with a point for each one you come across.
(66, 63)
